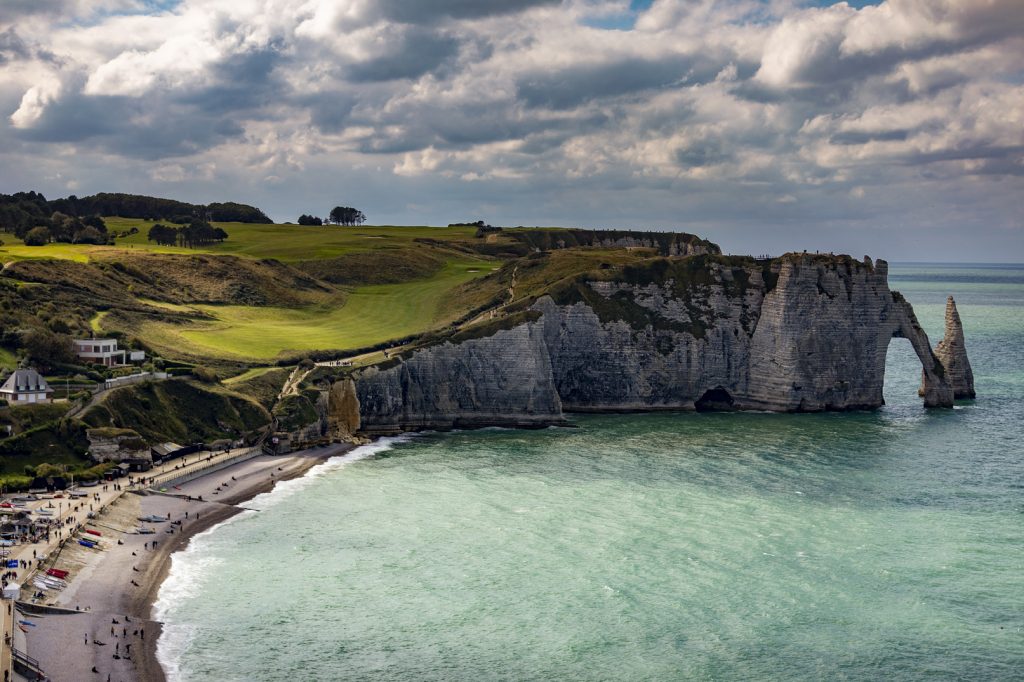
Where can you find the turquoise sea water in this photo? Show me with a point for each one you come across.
(864, 546)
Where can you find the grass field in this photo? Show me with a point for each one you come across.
(248, 374)
(369, 315)
(283, 242)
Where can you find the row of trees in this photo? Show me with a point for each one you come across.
(195, 234)
(23, 211)
(339, 215)
(155, 208)
(346, 215)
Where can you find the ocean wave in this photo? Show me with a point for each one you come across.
(184, 581)
(189, 566)
(285, 489)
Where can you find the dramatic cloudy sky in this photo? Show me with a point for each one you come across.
(895, 129)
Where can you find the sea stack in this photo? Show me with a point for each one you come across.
(953, 354)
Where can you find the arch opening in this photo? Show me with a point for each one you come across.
(715, 400)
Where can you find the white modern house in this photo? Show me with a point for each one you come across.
(105, 352)
(25, 386)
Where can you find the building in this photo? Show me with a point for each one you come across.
(105, 352)
(25, 386)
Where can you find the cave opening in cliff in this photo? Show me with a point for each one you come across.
(715, 400)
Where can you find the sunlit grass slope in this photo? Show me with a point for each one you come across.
(287, 243)
(368, 315)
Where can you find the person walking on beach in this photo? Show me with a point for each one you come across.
(87, 638)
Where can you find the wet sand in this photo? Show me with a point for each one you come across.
(121, 582)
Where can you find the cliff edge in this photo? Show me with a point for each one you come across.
(799, 333)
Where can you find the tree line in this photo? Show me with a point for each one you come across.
(31, 218)
(196, 234)
(23, 211)
(339, 215)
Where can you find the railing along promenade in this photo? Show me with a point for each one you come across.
(202, 467)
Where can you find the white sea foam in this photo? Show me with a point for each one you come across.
(285, 489)
(184, 581)
(191, 565)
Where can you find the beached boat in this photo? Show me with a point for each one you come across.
(144, 531)
(153, 518)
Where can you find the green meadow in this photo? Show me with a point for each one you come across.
(286, 243)
(366, 316)
(351, 316)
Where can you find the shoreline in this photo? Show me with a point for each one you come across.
(120, 585)
(149, 667)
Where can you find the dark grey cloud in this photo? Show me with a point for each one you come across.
(852, 137)
(247, 81)
(152, 129)
(571, 87)
(705, 152)
(431, 11)
(411, 53)
(330, 111)
(12, 47)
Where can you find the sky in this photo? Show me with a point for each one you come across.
(893, 129)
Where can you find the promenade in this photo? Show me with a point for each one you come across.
(69, 515)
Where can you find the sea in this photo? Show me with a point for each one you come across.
(885, 545)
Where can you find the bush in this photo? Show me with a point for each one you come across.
(37, 236)
(15, 481)
(205, 375)
(45, 470)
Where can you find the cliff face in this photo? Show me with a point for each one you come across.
(504, 379)
(801, 333)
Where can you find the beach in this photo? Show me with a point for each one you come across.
(105, 628)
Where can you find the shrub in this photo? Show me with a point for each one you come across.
(205, 375)
(15, 481)
(37, 236)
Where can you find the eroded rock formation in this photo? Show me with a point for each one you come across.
(799, 333)
(952, 352)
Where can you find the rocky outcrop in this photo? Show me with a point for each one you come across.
(342, 415)
(952, 353)
(116, 445)
(504, 379)
(664, 243)
(799, 333)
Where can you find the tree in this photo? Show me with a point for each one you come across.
(37, 236)
(162, 235)
(89, 235)
(346, 215)
(309, 220)
(48, 348)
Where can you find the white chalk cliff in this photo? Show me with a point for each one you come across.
(799, 333)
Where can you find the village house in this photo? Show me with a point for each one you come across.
(25, 386)
(105, 352)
